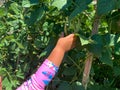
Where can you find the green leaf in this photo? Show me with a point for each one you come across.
(28, 3)
(96, 47)
(81, 5)
(3, 71)
(100, 87)
(25, 3)
(110, 39)
(94, 87)
(69, 71)
(2, 26)
(64, 86)
(108, 5)
(116, 70)
(118, 4)
(15, 8)
(3, 12)
(7, 84)
(77, 86)
(43, 54)
(118, 40)
(19, 44)
(59, 3)
(49, 48)
(83, 39)
(34, 2)
(117, 48)
(106, 56)
(19, 74)
(36, 15)
(67, 5)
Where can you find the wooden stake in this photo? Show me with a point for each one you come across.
(89, 59)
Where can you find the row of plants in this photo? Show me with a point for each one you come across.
(29, 30)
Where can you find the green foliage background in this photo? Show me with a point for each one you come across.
(29, 30)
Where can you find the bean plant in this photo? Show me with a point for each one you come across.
(29, 30)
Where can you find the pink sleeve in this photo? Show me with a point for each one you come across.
(41, 78)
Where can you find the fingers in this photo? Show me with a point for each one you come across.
(74, 42)
(72, 39)
(71, 36)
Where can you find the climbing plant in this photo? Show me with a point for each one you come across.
(29, 30)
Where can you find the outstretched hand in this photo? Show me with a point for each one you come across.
(67, 43)
(63, 45)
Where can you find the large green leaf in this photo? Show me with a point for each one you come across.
(59, 3)
(81, 5)
(96, 47)
(36, 15)
(106, 56)
(105, 6)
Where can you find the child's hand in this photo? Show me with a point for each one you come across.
(66, 43)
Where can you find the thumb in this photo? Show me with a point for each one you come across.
(71, 35)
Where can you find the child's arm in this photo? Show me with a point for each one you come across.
(63, 45)
(47, 70)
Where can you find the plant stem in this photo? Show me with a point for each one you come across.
(89, 59)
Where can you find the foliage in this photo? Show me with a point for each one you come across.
(29, 30)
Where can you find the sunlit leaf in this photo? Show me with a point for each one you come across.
(15, 8)
(83, 39)
(25, 3)
(7, 84)
(59, 3)
(3, 11)
(77, 86)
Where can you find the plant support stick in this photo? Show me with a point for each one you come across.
(89, 59)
